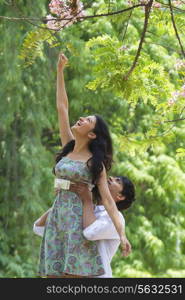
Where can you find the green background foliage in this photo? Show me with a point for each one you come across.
(147, 149)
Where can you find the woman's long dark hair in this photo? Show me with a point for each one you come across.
(100, 147)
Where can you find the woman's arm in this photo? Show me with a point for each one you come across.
(112, 210)
(62, 103)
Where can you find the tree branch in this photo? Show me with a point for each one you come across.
(175, 28)
(109, 6)
(127, 25)
(27, 19)
(174, 7)
(147, 14)
(175, 120)
(44, 19)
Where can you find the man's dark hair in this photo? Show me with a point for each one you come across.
(129, 193)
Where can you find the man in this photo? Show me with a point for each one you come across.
(97, 224)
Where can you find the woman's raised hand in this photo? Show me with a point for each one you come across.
(62, 61)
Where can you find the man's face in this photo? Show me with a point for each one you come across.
(115, 188)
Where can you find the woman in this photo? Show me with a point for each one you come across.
(85, 157)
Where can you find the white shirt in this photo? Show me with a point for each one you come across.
(104, 232)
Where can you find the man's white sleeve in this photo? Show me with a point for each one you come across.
(39, 230)
(102, 229)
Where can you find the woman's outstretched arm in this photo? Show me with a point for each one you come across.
(62, 102)
(112, 210)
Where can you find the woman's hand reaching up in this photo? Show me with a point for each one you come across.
(62, 61)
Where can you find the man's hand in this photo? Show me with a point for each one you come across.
(62, 61)
(126, 247)
(81, 189)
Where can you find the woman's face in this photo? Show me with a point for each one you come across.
(84, 125)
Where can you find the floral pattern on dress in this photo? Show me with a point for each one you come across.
(64, 249)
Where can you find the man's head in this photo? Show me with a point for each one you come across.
(122, 191)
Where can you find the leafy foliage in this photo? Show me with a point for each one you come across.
(150, 82)
(32, 46)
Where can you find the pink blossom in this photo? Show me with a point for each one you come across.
(156, 5)
(122, 48)
(179, 64)
(182, 93)
(52, 23)
(56, 6)
(143, 1)
(183, 87)
(175, 94)
(66, 11)
(177, 3)
(171, 102)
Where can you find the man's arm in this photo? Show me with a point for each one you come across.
(85, 195)
(42, 220)
(102, 229)
(39, 224)
(88, 211)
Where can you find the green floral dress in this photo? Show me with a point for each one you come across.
(64, 249)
